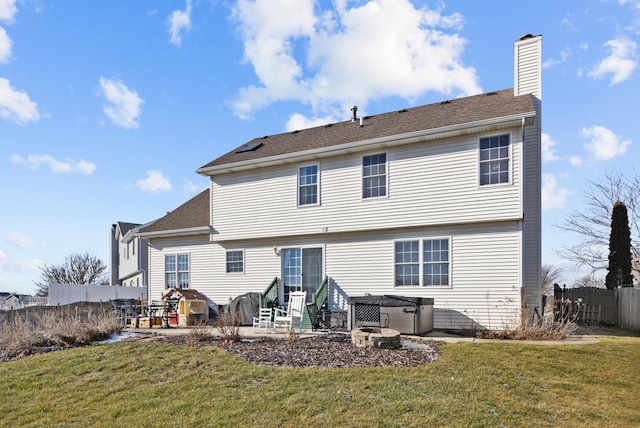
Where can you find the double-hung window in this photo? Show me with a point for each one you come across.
(308, 185)
(494, 159)
(374, 175)
(235, 261)
(422, 262)
(176, 270)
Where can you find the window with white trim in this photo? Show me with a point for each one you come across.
(235, 261)
(176, 270)
(422, 262)
(374, 175)
(494, 159)
(308, 185)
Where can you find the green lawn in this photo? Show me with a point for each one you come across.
(481, 384)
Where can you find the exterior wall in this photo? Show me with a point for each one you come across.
(430, 183)
(201, 268)
(528, 69)
(485, 260)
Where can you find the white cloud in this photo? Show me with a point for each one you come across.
(603, 143)
(179, 20)
(552, 196)
(298, 121)
(564, 54)
(5, 46)
(8, 10)
(16, 106)
(548, 148)
(189, 187)
(620, 63)
(575, 160)
(155, 182)
(354, 54)
(123, 105)
(56, 166)
(21, 240)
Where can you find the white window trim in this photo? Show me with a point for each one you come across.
(226, 262)
(510, 163)
(362, 177)
(298, 185)
(421, 263)
(177, 271)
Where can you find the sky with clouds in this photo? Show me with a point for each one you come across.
(108, 108)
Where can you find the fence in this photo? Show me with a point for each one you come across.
(600, 305)
(63, 294)
(629, 307)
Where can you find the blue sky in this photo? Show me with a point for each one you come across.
(108, 108)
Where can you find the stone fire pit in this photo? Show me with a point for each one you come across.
(375, 337)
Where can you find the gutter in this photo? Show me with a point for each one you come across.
(191, 231)
(357, 146)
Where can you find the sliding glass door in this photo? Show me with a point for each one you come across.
(301, 270)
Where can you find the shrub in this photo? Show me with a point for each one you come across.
(228, 326)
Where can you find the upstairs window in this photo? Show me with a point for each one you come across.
(494, 160)
(235, 261)
(374, 176)
(176, 270)
(308, 185)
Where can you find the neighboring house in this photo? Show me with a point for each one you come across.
(439, 201)
(9, 301)
(129, 256)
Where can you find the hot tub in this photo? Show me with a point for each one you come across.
(408, 315)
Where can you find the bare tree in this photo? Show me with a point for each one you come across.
(592, 222)
(550, 275)
(589, 280)
(76, 269)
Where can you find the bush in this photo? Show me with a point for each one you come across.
(228, 326)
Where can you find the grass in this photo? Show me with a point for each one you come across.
(487, 384)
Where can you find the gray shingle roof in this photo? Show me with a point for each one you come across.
(193, 213)
(126, 227)
(432, 116)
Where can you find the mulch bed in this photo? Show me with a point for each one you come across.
(330, 350)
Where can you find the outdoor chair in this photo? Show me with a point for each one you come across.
(263, 320)
(294, 313)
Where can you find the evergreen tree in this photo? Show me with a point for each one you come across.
(619, 271)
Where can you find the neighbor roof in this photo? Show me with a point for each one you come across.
(444, 114)
(192, 214)
(126, 227)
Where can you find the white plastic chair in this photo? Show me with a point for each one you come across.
(263, 320)
(294, 313)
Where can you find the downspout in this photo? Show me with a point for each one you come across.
(521, 225)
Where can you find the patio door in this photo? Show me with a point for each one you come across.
(301, 270)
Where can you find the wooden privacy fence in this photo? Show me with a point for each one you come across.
(599, 305)
(629, 307)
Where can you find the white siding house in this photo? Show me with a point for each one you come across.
(129, 256)
(439, 201)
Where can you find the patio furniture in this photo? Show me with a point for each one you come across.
(263, 320)
(294, 313)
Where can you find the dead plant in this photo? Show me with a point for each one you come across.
(291, 337)
(228, 326)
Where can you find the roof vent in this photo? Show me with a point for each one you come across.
(445, 102)
(328, 125)
(526, 36)
(404, 110)
(296, 131)
(491, 93)
(354, 113)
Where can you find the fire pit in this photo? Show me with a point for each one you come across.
(374, 337)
